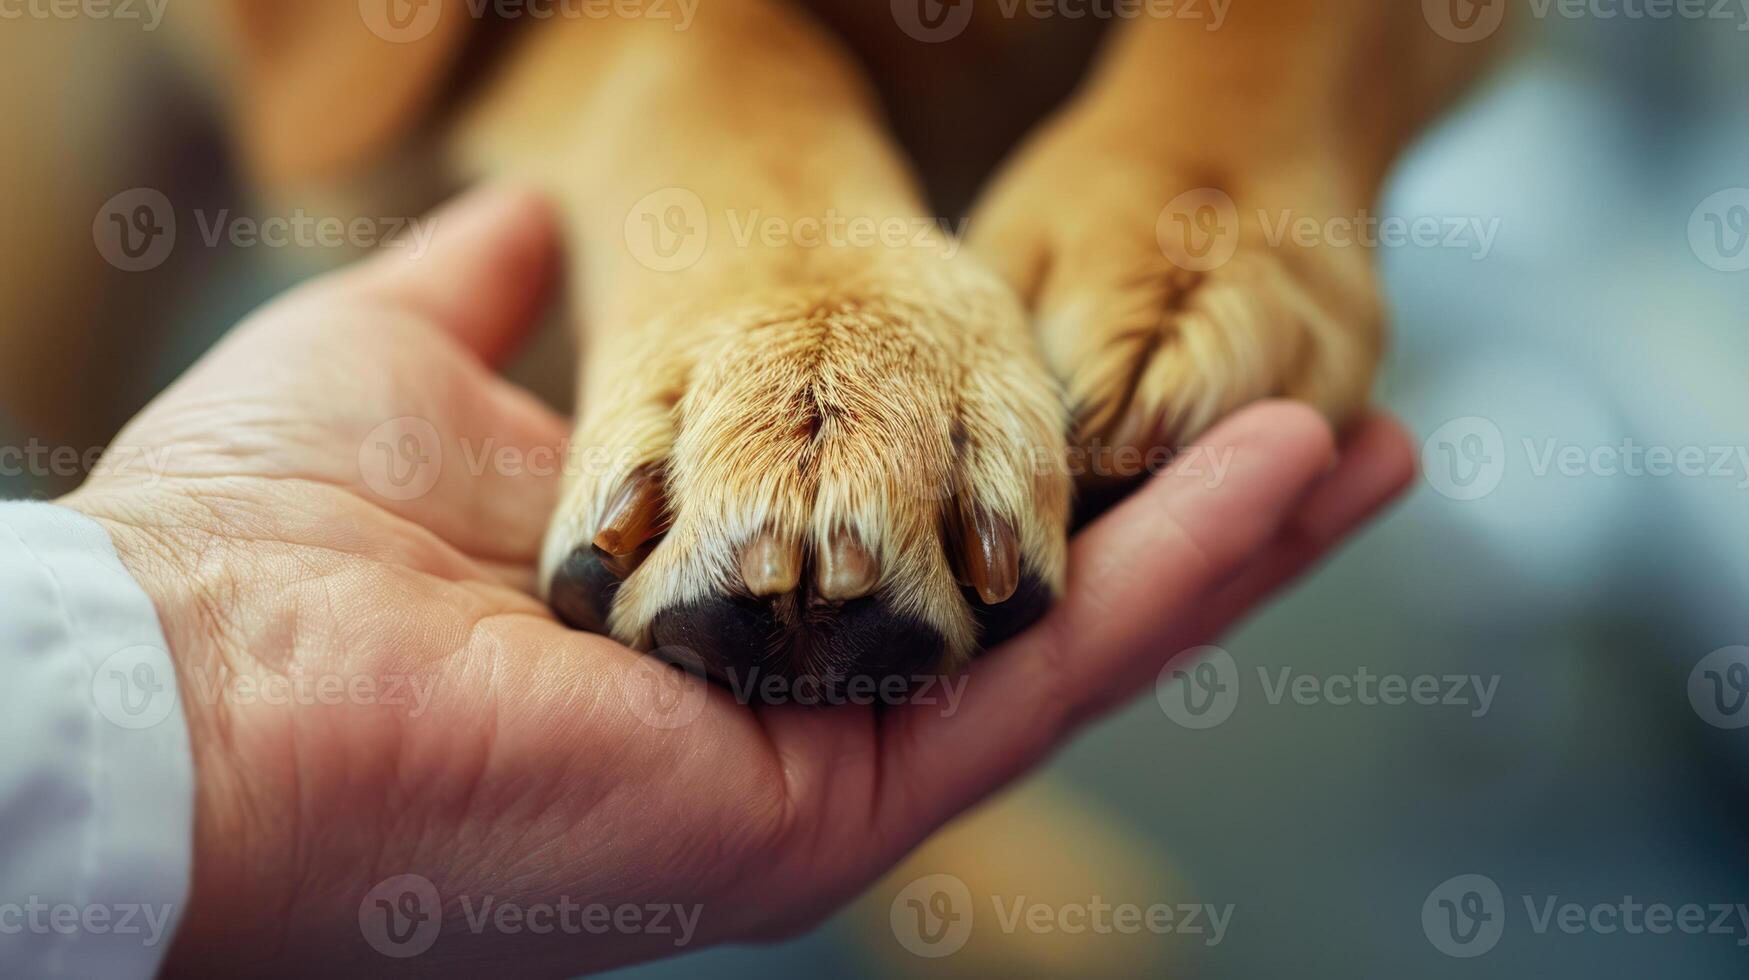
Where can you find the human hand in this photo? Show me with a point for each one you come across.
(541, 767)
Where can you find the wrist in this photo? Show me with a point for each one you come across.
(166, 547)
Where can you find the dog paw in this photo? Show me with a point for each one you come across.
(857, 479)
(1165, 303)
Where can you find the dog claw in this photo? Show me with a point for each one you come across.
(622, 566)
(846, 569)
(638, 513)
(770, 566)
(989, 557)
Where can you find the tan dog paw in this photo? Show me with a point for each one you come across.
(1164, 302)
(853, 479)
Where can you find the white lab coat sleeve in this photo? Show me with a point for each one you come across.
(96, 774)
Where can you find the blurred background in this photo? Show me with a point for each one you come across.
(1572, 569)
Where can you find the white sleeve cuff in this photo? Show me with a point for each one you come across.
(96, 775)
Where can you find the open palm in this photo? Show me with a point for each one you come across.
(395, 741)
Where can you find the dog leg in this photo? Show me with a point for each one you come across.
(1172, 226)
(813, 440)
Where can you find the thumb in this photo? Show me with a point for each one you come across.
(478, 268)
